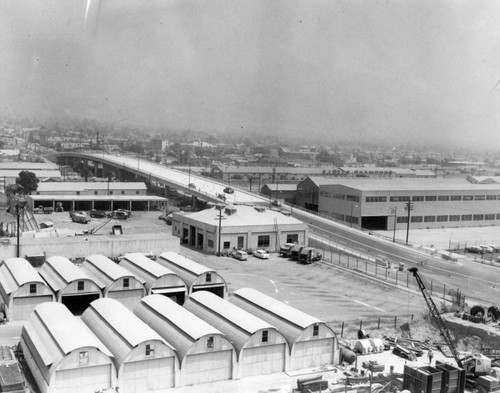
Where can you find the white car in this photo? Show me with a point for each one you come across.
(262, 254)
(240, 255)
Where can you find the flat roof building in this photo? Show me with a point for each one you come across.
(260, 347)
(22, 289)
(157, 279)
(62, 353)
(312, 343)
(205, 354)
(71, 285)
(117, 282)
(144, 361)
(240, 227)
(197, 277)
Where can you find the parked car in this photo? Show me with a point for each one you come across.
(240, 255)
(98, 213)
(309, 255)
(221, 196)
(286, 249)
(228, 190)
(167, 218)
(474, 249)
(276, 203)
(261, 254)
(486, 249)
(495, 248)
(192, 185)
(79, 216)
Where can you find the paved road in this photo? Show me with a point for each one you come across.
(479, 282)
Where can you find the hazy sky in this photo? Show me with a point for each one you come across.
(391, 69)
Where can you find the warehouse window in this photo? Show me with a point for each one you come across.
(96, 192)
(417, 219)
(80, 286)
(402, 219)
(429, 218)
(241, 242)
(265, 336)
(263, 241)
(137, 193)
(479, 197)
(83, 357)
(443, 198)
(126, 282)
(292, 238)
(442, 218)
(431, 198)
(209, 277)
(467, 217)
(376, 199)
(399, 198)
(468, 197)
(316, 330)
(417, 198)
(210, 243)
(478, 217)
(455, 218)
(32, 289)
(491, 197)
(353, 198)
(123, 192)
(78, 193)
(150, 350)
(227, 245)
(210, 342)
(489, 216)
(456, 197)
(111, 193)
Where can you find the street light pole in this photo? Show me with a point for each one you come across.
(18, 253)
(409, 207)
(394, 229)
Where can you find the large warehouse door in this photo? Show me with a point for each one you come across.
(129, 299)
(263, 360)
(77, 304)
(147, 375)
(82, 380)
(208, 367)
(23, 306)
(314, 353)
(378, 223)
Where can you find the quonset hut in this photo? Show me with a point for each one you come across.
(117, 282)
(205, 355)
(157, 278)
(260, 346)
(312, 343)
(197, 277)
(62, 353)
(22, 289)
(144, 361)
(71, 285)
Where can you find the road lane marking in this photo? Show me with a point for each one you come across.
(275, 288)
(367, 305)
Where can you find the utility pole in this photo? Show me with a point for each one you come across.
(394, 229)
(409, 207)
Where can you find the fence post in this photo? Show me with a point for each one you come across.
(395, 321)
(397, 277)
(357, 262)
(378, 325)
(361, 325)
(339, 258)
(342, 331)
(375, 268)
(366, 267)
(444, 291)
(386, 274)
(347, 260)
(431, 286)
(412, 317)
(407, 281)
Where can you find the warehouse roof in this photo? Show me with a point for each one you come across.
(148, 266)
(48, 328)
(62, 198)
(89, 186)
(278, 169)
(108, 271)
(114, 324)
(40, 173)
(58, 272)
(28, 166)
(229, 312)
(414, 184)
(243, 215)
(280, 309)
(21, 271)
(282, 186)
(185, 264)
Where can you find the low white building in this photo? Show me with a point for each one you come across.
(157, 279)
(62, 353)
(238, 227)
(22, 289)
(117, 282)
(145, 361)
(261, 348)
(197, 277)
(205, 354)
(71, 285)
(312, 343)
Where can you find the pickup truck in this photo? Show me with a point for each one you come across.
(286, 250)
(79, 216)
(309, 255)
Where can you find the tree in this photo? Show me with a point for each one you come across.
(28, 181)
(83, 170)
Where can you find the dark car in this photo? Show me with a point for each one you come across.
(228, 190)
(120, 214)
(97, 213)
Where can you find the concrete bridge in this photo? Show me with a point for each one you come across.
(199, 187)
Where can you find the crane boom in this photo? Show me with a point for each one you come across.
(443, 329)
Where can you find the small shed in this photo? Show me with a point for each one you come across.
(62, 353)
(157, 279)
(117, 282)
(205, 355)
(260, 346)
(312, 343)
(144, 360)
(22, 289)
(71, 285)
(197, 277)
